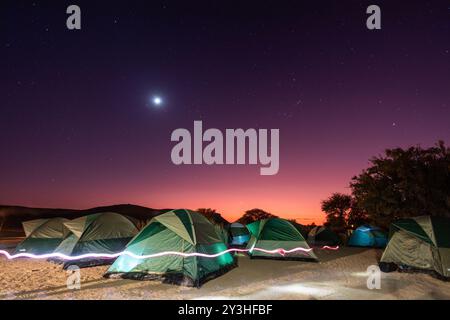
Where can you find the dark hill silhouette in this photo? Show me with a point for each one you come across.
(11, 217)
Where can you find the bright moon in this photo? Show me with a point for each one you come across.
(157, 101)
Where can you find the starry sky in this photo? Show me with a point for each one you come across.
(78, 127)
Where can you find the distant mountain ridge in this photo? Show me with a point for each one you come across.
(11, 217)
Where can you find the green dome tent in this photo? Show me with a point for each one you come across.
(322, 236)
(301, 228)
(420, 243)
(277, 236)
(106, 232)
(181, 231)
(42, 235)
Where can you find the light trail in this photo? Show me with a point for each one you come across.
(330, 248)
(280, 251)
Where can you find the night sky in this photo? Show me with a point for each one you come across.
(78, 127)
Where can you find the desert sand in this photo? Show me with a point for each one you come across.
(340, 274)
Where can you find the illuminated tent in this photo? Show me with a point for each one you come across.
(239, 234)
(368, 236)
(106, 232)
(277, 236)
(42, 235)
(322, 236)
(180, 231)
(420, 243)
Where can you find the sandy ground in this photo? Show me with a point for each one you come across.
(340, 275)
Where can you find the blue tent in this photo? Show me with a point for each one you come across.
(239, 234)
(368, 236)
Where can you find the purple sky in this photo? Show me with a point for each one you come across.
(78, 128)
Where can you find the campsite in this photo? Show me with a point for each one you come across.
(203, 150)
(181, 254)
(134, 252)
(340, 275)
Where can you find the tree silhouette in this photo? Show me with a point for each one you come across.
(356, 217)
(337, 208)
(405, 183)
(255, 215)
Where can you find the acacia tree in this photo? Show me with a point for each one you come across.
(337, 208)
(255, 215)
(405, 183)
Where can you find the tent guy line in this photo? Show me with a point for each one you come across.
(155, 255)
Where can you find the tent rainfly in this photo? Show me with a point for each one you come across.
(275, 237)
(42, 236)
(419, 243)
(222, 231)
(180, 231)
(106, 232)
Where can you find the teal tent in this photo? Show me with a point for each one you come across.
(368, 236)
